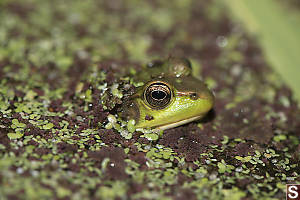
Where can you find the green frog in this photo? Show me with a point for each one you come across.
(170, 96)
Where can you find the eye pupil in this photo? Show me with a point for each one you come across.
(159, 95)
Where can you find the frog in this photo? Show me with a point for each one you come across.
(168, 96)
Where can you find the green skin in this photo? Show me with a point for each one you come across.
(190, 98)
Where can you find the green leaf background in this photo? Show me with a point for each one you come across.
(277, 27)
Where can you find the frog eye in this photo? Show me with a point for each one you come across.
(158, 95)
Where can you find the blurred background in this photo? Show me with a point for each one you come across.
(276, 26)
(41, 32)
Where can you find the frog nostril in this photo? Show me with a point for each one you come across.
(158, 95)
(194, 96)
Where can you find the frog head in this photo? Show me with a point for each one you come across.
(171, 97)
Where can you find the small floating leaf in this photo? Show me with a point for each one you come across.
(48, 126)
(13, 136)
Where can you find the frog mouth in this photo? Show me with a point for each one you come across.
(178, 123)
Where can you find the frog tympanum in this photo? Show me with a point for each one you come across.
(170, 97)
